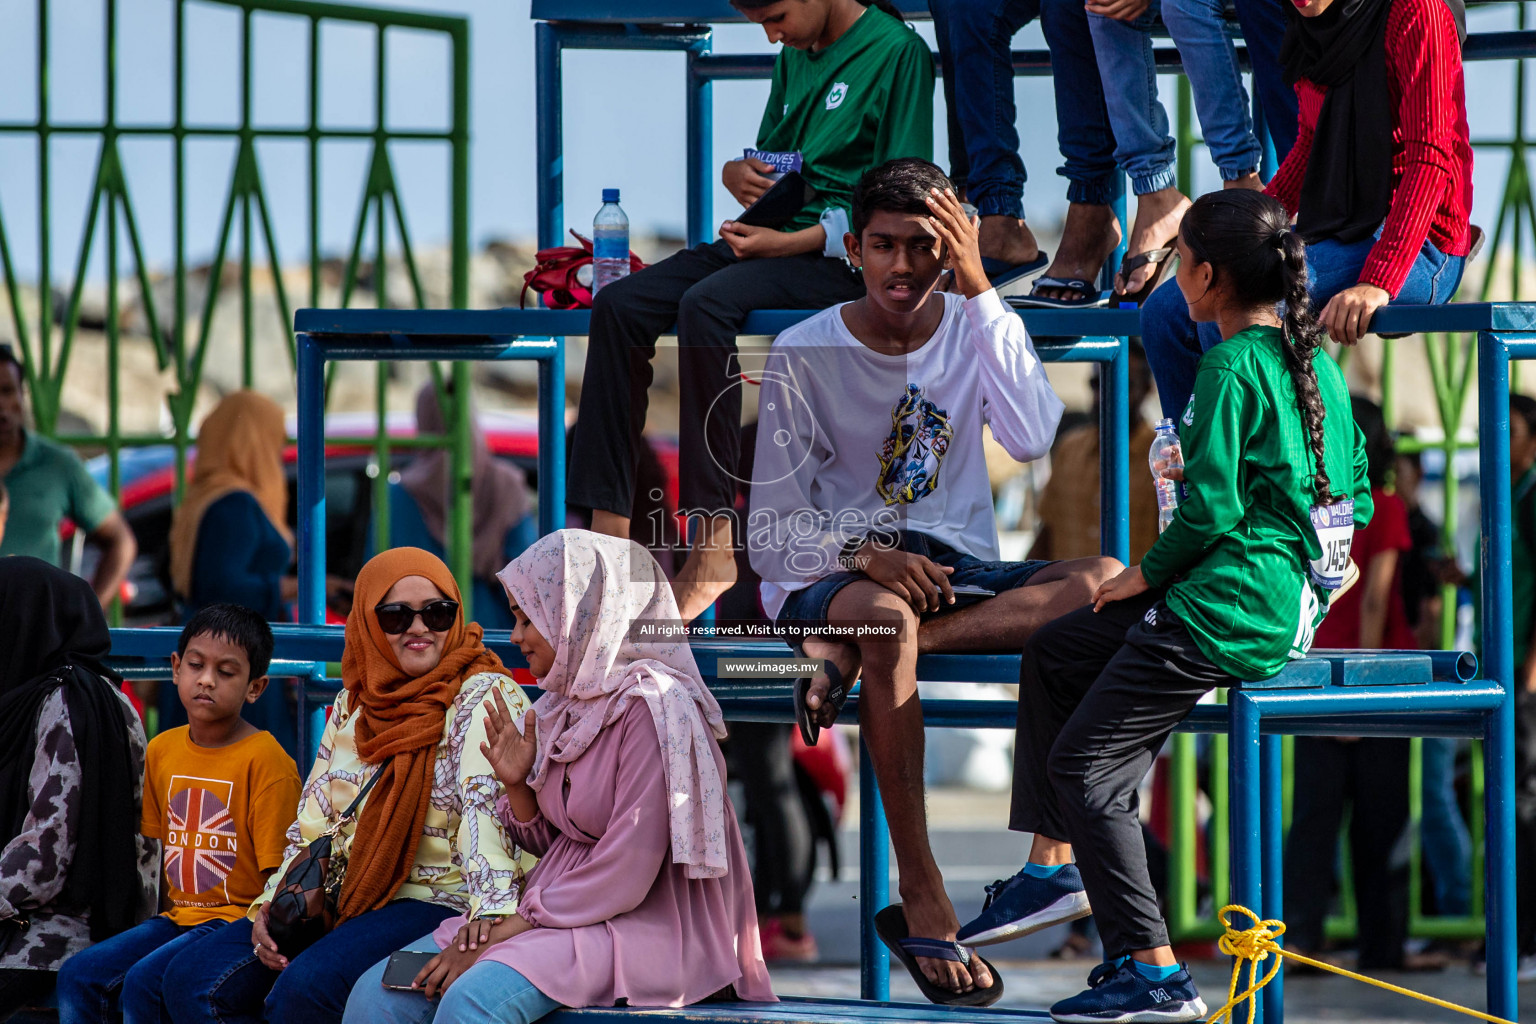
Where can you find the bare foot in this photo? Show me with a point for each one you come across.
(706, 575)
(1157, 221)
(1088, 237)
(1248, 181)
(933, 917)
(846, 657)
(1007, 239)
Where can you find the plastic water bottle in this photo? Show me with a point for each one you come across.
(610, 242)
(1166, 454)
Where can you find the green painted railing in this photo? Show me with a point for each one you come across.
(180, 335)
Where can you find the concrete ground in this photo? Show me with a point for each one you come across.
(973, 846)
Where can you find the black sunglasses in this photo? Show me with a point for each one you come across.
(438, 616)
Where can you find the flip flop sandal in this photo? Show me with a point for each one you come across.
(891, 926)
(1128, 266)
(1002, 273)
(837, 696)
(1090, 296)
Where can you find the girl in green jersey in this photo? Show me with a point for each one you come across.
(1276, 477)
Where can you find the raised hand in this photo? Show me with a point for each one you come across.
(508, 748)
(961, 236)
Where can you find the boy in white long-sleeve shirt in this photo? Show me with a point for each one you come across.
(871, 502)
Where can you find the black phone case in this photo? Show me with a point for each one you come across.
(778, 206)
(403, 967)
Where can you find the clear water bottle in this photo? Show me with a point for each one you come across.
(610, 242)
(1165, 454)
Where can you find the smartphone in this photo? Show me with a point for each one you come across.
(403, 967)
(968, 590)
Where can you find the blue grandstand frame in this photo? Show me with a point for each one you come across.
(1338, 693)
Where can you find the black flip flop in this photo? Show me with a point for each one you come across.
(837, 696)
(1158, 258)
(1091, 296)
(891, 926)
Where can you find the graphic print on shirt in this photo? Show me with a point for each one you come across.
(200, 842)
(913, 454)
(837, 95)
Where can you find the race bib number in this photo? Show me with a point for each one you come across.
(1335, 528)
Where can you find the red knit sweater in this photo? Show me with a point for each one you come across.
(1431, 151)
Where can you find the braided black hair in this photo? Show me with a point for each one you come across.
(1247, 239)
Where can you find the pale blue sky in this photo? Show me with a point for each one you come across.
(623, 118)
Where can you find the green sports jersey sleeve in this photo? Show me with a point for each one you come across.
(1213, 444)
(1364, 506)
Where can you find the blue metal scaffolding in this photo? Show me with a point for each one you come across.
(1338, 693)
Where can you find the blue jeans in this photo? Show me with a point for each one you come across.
(1143, 147)
(974, 39)
(1210, 61)
(122, 978)
(1263, 24)
(1443, 834)
(236, 987)
(487, 993)
(1174, 344)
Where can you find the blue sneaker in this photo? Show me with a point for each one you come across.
(1124, 996)
(1023, 904)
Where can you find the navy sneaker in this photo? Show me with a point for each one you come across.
(1126, 996)
(1022, 904)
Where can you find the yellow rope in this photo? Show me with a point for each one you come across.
(1254, 944)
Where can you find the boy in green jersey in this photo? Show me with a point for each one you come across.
(852, 89)
(1276, 475)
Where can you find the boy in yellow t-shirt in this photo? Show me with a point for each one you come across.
(219, 794)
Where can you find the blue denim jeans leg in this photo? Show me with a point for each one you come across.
(1210, 60)
(1144, 149)
(121, 978)
(217, 979)
(1175, 343)
(488, 991)
(1084, 136)
(1263, 25)
(1443, 832)
(314, 988)
(975, 42)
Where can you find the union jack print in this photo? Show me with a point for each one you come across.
(200, 851)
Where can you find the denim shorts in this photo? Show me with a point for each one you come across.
(809, 607)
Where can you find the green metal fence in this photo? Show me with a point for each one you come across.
(180, 335)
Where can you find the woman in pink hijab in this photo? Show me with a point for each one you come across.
(642, 893)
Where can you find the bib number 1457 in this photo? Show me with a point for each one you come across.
(1335, 528)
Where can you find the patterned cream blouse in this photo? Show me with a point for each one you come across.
(466, 859)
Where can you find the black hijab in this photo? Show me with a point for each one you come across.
(54, 636)
(1347, 190)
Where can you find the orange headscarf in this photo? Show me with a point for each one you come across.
(239, 448)
(400, 724)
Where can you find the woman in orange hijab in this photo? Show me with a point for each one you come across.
(427, 844)
(229, 537)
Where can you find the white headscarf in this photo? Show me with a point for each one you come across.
(584, 591)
